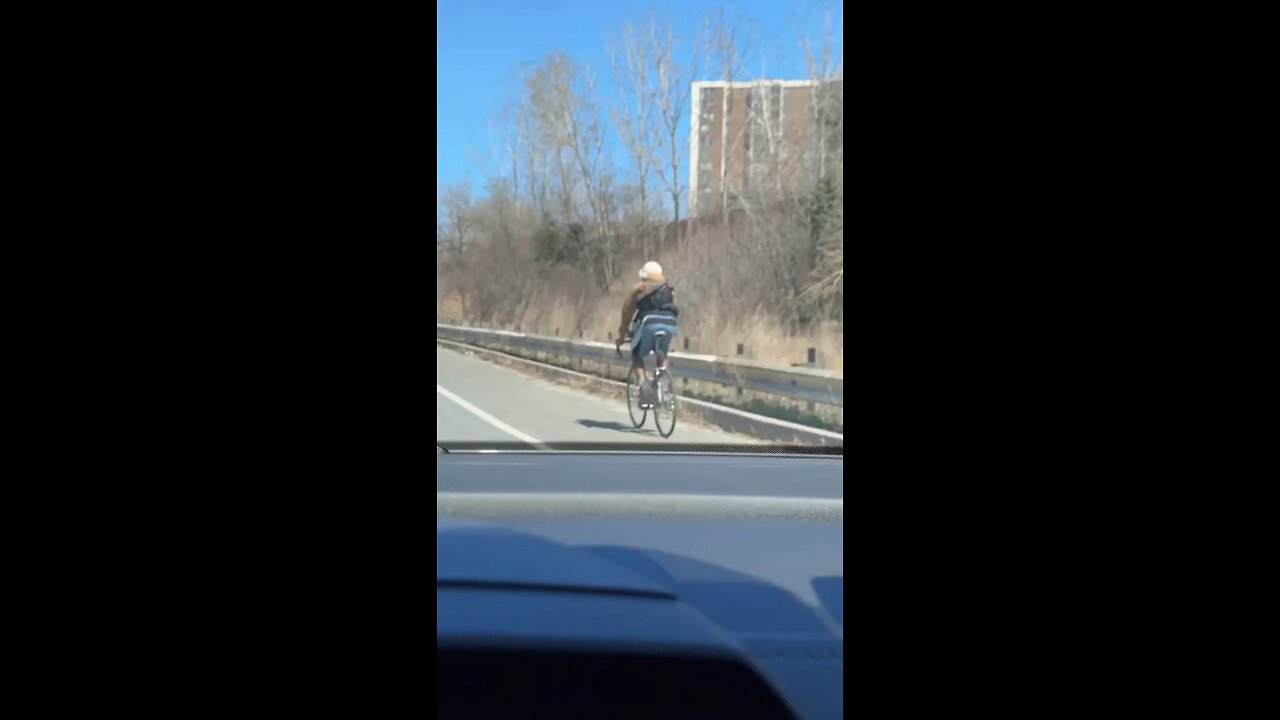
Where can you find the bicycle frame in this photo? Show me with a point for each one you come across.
(658, 369)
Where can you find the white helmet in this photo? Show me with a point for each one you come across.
(651, 271)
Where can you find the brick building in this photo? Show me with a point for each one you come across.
(761, 136)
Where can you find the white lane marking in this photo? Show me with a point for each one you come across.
(490, 419)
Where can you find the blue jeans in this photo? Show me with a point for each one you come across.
(650, 336)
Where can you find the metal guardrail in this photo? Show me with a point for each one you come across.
(821, 386)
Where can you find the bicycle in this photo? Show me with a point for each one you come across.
(664, 389)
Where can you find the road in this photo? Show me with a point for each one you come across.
(477, 401)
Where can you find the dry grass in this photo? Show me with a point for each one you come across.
(741, 283)
(763, 339)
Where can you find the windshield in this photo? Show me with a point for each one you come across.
(639, 224)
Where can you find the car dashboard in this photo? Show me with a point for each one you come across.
(639, 585)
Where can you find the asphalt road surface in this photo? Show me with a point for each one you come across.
(477, 401)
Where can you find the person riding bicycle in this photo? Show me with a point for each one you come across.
(649, 321)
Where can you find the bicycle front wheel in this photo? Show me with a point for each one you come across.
(664, 411)
(637, 413)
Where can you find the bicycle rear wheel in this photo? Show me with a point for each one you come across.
(637, 413)
(664, 410)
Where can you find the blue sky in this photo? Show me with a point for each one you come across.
(480, 45)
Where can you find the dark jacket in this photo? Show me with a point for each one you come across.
(641, 299)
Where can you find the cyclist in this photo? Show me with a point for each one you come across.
(649, 321)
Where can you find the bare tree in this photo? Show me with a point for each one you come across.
(507, 144)
(826, 71)
(563, 99)
(548, 87)
(634, 115)
(727, 42)
(587, 140)
(532, 153)
(826, 160)
(671, 83)
(456, 201)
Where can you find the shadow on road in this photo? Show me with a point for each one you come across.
(612, 425)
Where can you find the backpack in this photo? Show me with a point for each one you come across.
(660, 300)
